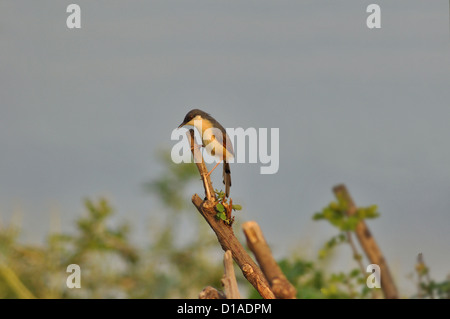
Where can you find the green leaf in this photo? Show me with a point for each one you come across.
(342, 237)
(221, 216)
(220, 208)
(220, 194)
(331, 243)
(318, 216)
(237, 207)
(350, 223)
(355, 273)
(334, 206)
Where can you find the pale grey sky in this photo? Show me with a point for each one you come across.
(83, 111)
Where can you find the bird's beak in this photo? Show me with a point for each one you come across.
(181, 125)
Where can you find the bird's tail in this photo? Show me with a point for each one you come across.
(226, 177)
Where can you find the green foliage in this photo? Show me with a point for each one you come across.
(347, 285)
(353, 283)
(433, 289)
(94, 247)
(313, 282)
(335, 213)
(95, 235)
(305, 276)
(331, 244)
(221, 214)
(427, 287)
(224, 207)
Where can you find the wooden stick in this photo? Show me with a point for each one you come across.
(229, 279)
(279, 284)
(357, 256)
(368, 244)
(198, 160)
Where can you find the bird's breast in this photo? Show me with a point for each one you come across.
(214, 148)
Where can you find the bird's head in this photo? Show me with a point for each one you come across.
(194, 115)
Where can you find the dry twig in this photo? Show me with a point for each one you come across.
(229, 279)
(280, 286)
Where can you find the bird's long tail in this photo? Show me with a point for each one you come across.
(226, 178)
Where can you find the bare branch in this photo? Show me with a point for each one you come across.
(224, 232)
(198, 160)
(279, 284)
(229, 279)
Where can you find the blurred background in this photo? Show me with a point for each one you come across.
(86, 117)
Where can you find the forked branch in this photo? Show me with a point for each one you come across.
(223, 231)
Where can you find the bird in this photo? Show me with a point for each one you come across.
(215, 140)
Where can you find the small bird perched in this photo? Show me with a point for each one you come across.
(215, 140)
